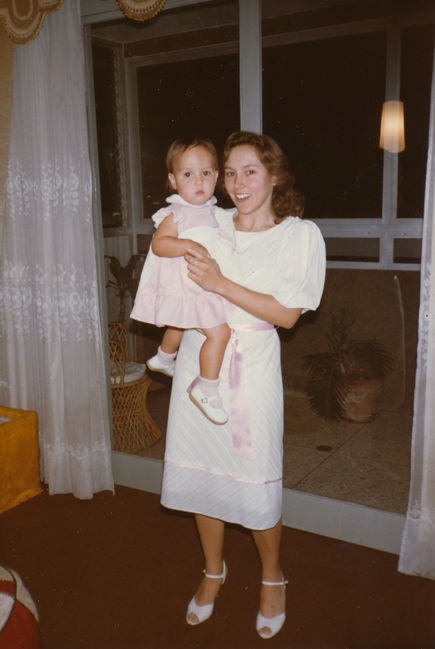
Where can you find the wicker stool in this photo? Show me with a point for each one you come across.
(133, 427)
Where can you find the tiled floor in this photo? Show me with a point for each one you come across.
(366, 464)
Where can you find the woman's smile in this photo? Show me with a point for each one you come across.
(249, 185)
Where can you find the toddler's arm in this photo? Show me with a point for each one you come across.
(166, 242)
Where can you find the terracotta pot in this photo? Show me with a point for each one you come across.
(361, 402)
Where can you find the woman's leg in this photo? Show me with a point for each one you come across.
(211, 535)
(171, 340)
(268, 542)
(212, 351)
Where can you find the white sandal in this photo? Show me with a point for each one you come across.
(276, 623)
(204, 612)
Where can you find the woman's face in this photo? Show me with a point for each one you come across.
(248, 182)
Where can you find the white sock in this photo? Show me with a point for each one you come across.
(210, 388)
(165, 358)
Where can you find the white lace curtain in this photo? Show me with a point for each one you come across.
(51, 350)
(418, 543)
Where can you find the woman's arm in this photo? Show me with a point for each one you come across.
(166, 243)
(205, 272)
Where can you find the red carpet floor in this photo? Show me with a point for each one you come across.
(116, 572)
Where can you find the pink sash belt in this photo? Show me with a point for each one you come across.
(239, 420)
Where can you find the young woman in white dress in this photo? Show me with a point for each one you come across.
(235, 474)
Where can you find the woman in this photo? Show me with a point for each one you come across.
(233, 472)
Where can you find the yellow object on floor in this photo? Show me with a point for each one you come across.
(19, 457)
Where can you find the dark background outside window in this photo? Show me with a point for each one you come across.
(107, 134)
(417, 53)
(322, 101)
(196, 97)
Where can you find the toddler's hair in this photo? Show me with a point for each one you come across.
(182, 144)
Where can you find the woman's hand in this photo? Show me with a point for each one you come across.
(203, 270)
(206, 273)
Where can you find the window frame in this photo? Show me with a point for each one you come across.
(386, 229)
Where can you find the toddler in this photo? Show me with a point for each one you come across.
(166, 295)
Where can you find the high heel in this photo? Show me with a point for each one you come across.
(276, 623)
(204, 612)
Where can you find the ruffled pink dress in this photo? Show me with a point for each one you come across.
(166, 295)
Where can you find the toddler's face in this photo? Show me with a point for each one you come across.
(194, 175)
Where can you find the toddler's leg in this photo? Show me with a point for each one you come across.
(212, 351)
(204, 390)
(171, 340)
(164, 360)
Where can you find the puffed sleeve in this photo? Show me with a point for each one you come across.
(301, 264)
(163, 212)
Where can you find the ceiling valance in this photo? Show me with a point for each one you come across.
(141, 9)
(22, 19)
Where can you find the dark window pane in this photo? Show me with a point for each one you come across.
(417, 54)
(199, 96)
(322, 101)
(107, 134)
(350, 249)
(407, 251)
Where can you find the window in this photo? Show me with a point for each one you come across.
(321, 101)
(417, 51)
(104, 57)
(326, 72)
(180, 99)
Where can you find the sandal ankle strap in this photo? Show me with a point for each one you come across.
(221, 576)
(283, 582)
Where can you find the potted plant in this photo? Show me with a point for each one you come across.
(345, 382)
(125, 282)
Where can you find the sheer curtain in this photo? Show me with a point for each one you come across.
(51, 350)
(6, 49)
(418, 544)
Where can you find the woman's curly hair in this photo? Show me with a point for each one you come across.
(286, 200)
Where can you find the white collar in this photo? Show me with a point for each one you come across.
(176, 198)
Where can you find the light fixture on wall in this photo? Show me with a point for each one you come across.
(392, 136)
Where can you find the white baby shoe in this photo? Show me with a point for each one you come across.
(210, 406)
(155, 365)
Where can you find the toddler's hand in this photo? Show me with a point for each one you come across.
(197, 247)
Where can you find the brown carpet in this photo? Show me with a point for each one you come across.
(117, 572)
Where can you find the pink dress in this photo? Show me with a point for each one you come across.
(166, 295)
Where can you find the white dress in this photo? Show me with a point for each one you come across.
(233, 472)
